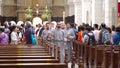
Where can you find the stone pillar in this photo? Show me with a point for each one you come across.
(1, 7)
(86, 11)
(114, 12)
(78, 12)
(97, 11)
(71, 7)
(107, 15)
(111, 12)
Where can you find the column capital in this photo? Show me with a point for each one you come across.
(77, 1)
(70, 2)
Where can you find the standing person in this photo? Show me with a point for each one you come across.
(59, 37)
(6, 30)
(116, 37)
(38, 29)
(13, 35)
(47, 34)
(28, 34)
(104, 35)
(89, 36)
(62, 26)
(52, 29)
(96, 32)
(75, 30)
(69, 36)
(42, 29)
(3, 37)
(80, 33)
(113, 32)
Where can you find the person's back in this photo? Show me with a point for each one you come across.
(28, 36)
(89, 37)
(80, 33)
(3, 38)
(104, 35)
(80, 36)
(116, 37)
(96, 32)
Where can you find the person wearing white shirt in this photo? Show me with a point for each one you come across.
(96, 32)
(14, 36)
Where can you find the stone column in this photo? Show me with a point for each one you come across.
(111, 12)
(97, 11)
(107, 15)
(86, 11)
(1, 7)
(78, 12)
(71, 7)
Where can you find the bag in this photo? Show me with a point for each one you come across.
(105, 37)
(91, 37)
(33, 39)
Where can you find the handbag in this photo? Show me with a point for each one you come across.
(33, 39)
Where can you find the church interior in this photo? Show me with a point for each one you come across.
(59, 33)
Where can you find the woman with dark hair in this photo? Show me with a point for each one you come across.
(13, 35)
(3, 37)
(116, 37)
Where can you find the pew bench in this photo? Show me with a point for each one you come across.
(27, 57)
(28, 61)
(33, 65)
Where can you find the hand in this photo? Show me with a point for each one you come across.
(68, 36)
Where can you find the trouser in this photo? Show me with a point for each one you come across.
(69, 45)
(62, 50)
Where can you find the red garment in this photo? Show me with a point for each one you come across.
(80, 36)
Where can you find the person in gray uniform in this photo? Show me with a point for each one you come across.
(46, 34)
(59, 40)
(69, 36)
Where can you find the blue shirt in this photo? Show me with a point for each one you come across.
(116, 38)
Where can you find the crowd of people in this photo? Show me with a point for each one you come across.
(61, 34)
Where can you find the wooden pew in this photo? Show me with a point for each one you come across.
(33, 65)
(86, 55)
(77, 48)
(99, 54)
(2, 61)
(116, 56)
(92, 56)
(107, 61)
(27, 57)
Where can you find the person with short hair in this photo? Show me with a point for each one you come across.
(89, 36)
(69, 36)
(80, 33)
(96, 32)
(104, 35)
(116, 37)
(47, 33)
(58, 38)
(13, 35)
